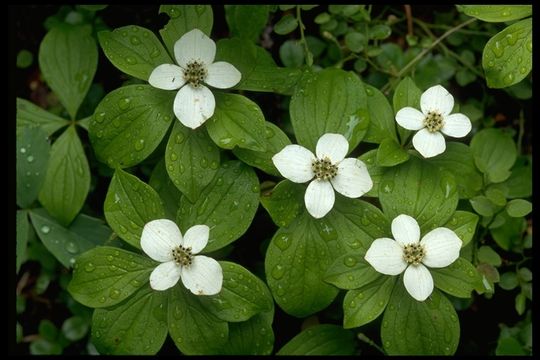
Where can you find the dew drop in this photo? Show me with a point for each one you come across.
(174, 157)
(508, 79)
(139, 144)
(89, 267)
(45, 229)
(135, 40)
(174, 13)
(23, 150)
(497, 49)
(283, 242)
(72, 247)
(124, 103)
(349, 261)
(278, 271)
(30, 159)
(114, 293)
(131, 60)
(155, 53)
(179, 138)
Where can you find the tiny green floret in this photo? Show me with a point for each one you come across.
(195, 73)
(324, 169)
(182, 255)
(433, 121)
(413, 253)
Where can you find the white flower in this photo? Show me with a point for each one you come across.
(329, 169)
(162, 241)
(195, 53)
(438, 248)
(436, 104)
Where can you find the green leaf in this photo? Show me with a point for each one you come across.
(407, 94)
(45, 347)
(330, 101)
(458, 160)
(483, 206)
(191, 159)
(411, 327)
(509, 236)
(194, 329)
(75, 328)
(24, 59)
(48, 330)
(463, 223)
(134, 50)
(228, 205)
(497, 13)
(258, 69)
(382, 122)
(93, 7)
(184, 18)
(246, 21)
(129, 123)
(167, 191)
(420, 190)
(520, 303)
(380, 32)
(350, 271)
(29, 115)
(363, 305)
(487, 255)
(355, 41)
(390, 153)
(510, 346)
(32, 160)
(291, 54)
(68, 59)
(252, 337)
(507, 56)
(67, 181)
(496, 196)
(65, 243)
(286, 25)
(300, 254)
(323, 339)
(518, 208)
(519, 183)
(242, 296)
(129, 205)
(375, 172)
(276, 140)
(23, 234)
(509, 281)
(105, 276)
(237, 121)
(137, 326)
(458, 279)
(284, 202)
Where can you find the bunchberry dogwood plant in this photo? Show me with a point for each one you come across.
(273, 179)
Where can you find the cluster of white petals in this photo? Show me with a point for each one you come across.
(328, 171)
(194, 102)
(437, 249)
(435, 118)
(162, 241)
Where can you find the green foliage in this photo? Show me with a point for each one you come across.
(246, 21)
(324, 339)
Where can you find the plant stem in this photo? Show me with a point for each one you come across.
(309, 55)
(364, 338)
(406, 68)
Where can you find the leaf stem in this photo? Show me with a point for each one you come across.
(309, 55)
(417, 58)
(364, 338)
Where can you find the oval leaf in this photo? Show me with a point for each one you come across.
(458, 279)
(167, 191)
(191, 159)
(129, 123)
(137, 326)
(324, 339)
(365, 304)
(284, 202)
(330, 101)
(382, 122)
(497, 13)
(463, 223)
(242, 296)
(129, 205)
(252, 337)
(494, 153)
(507, 56)
(194, 329)
(300, 254)
(350, 271)
(518, 208)
(246, 21)
(237, 121)
(228, 205)
(68, 178)
(390, 153)
(134, 50)
(411, 327)
(30, 115)
(418, 189)
(68, 59)
(105, 276)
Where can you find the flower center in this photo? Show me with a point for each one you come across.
(324, 169)
(433, 121)
(182, 256)
(195, 73)
(413, 253)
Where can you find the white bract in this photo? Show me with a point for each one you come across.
(194, 102)
(438, 248)
(162, 241)
(436, 104)
(329, 171)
